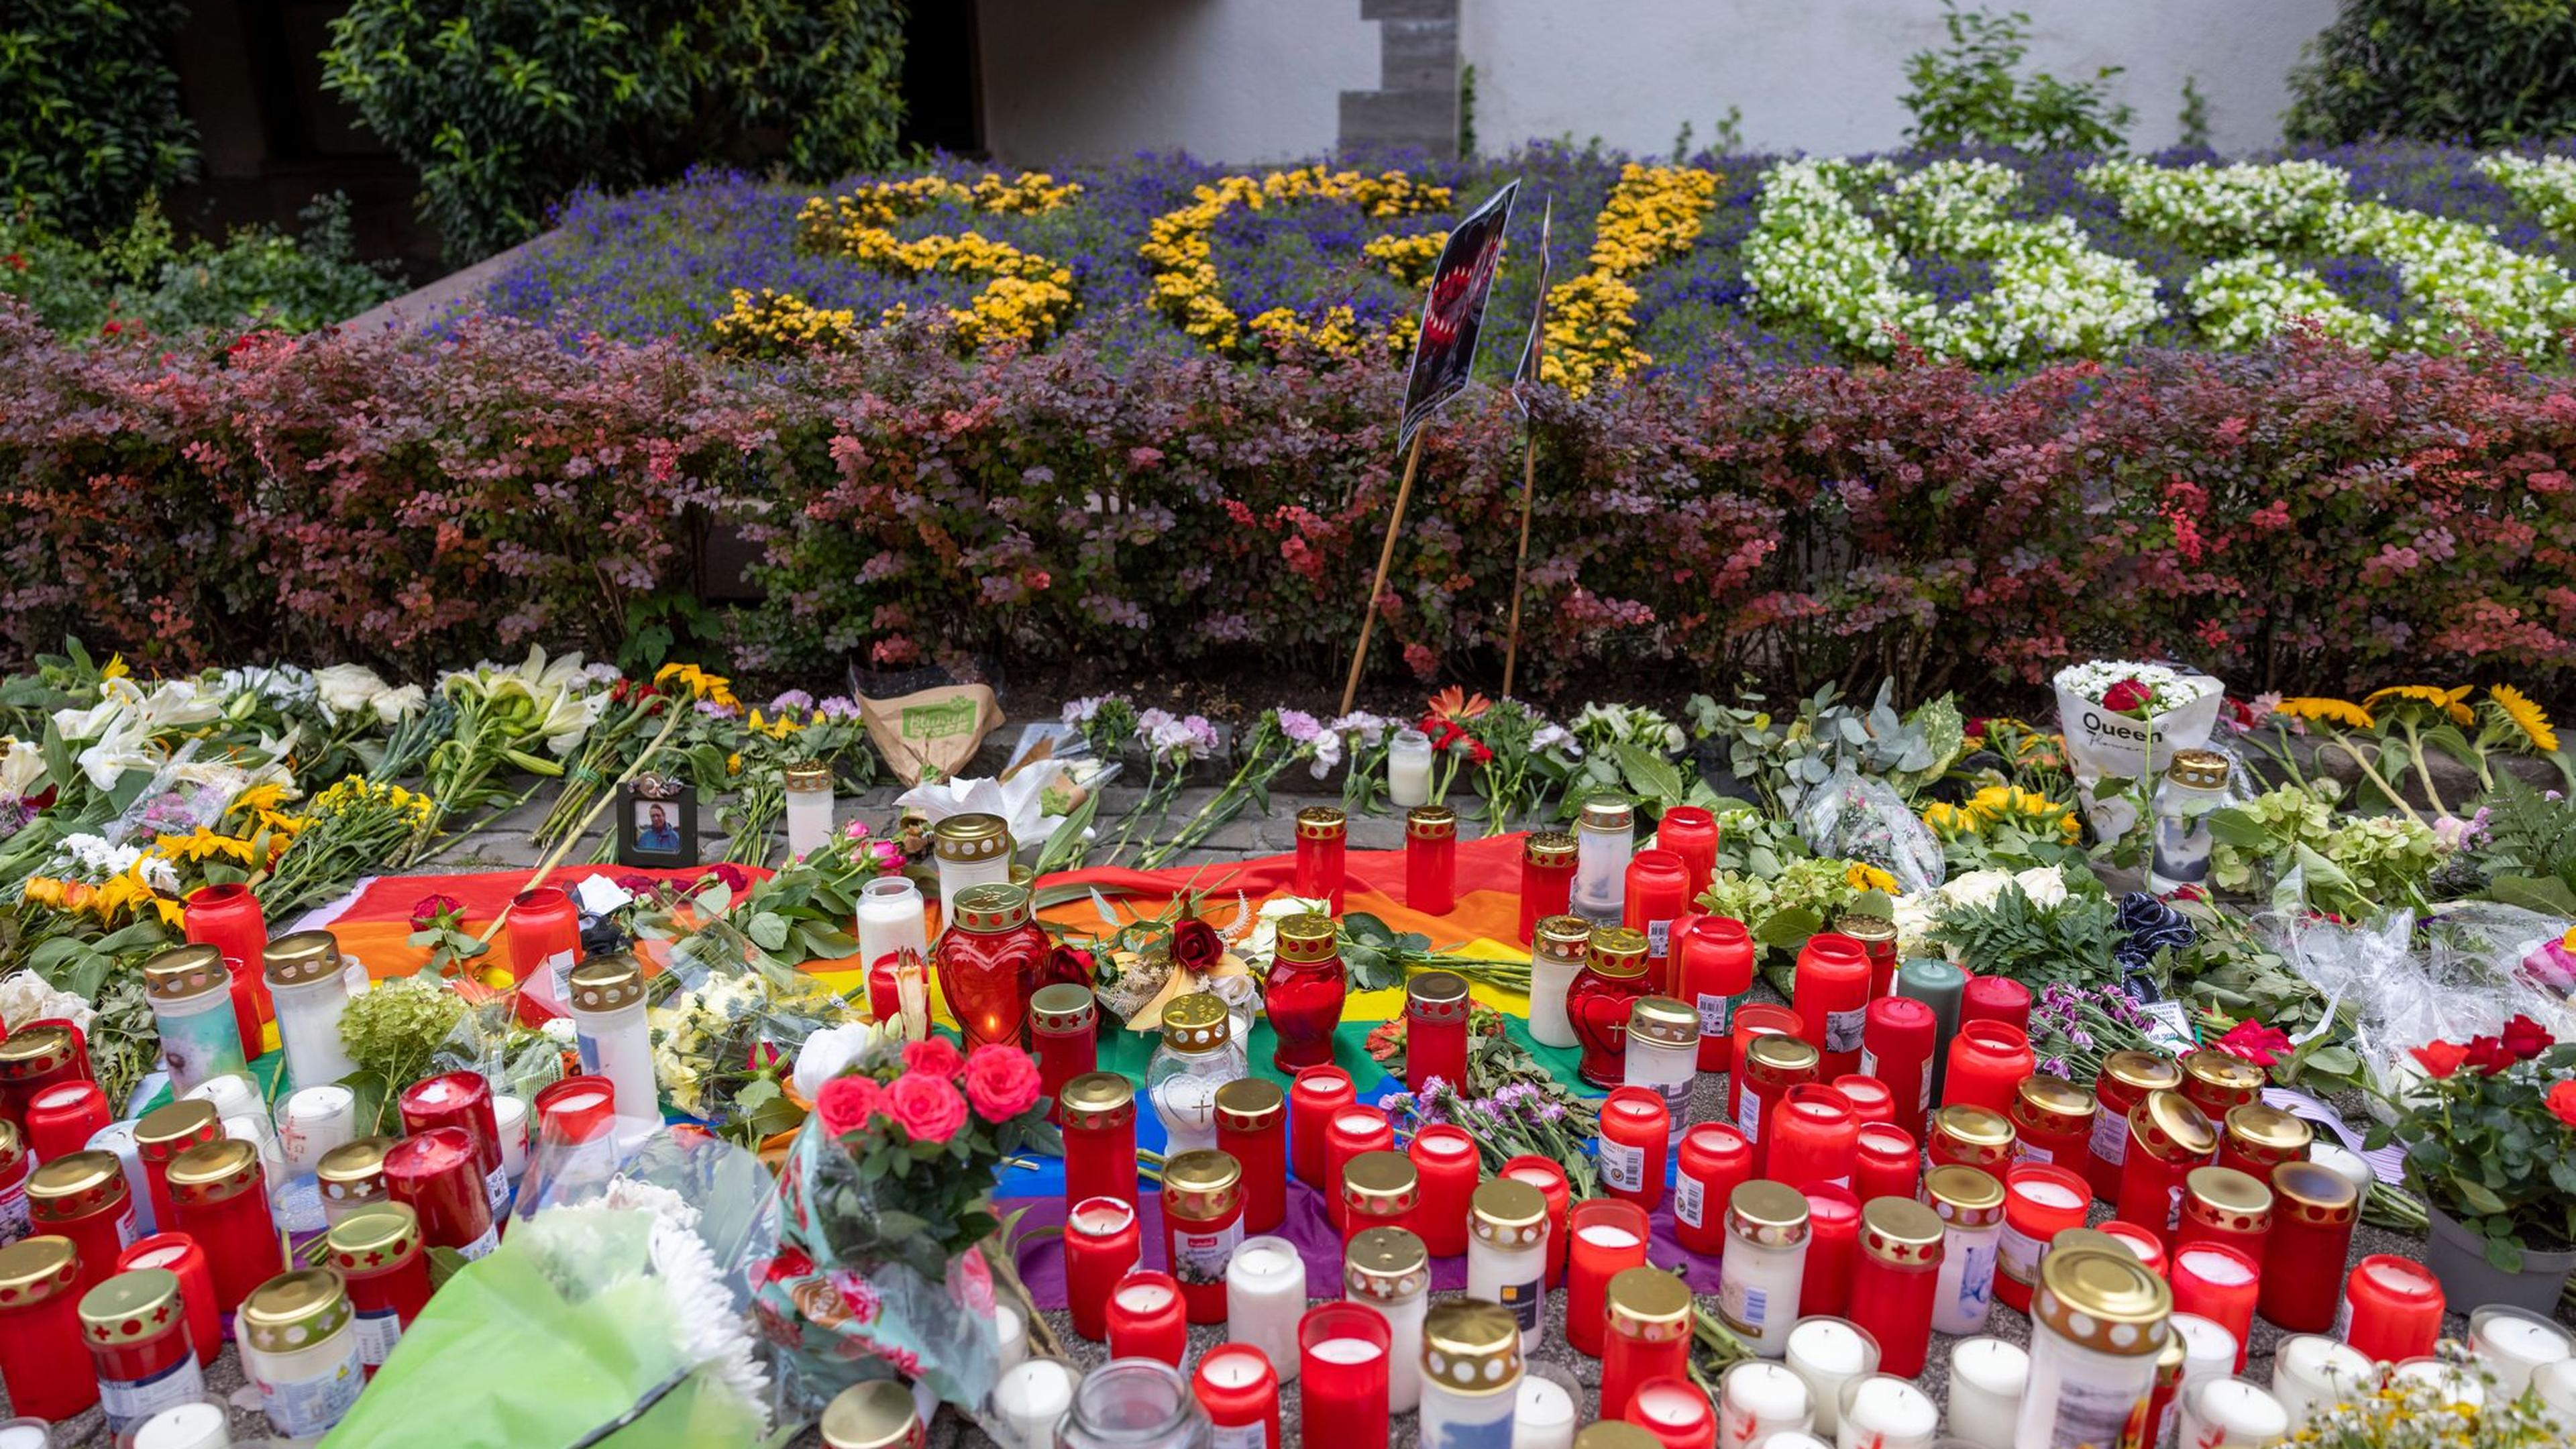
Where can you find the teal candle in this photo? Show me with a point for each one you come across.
(1939, 985)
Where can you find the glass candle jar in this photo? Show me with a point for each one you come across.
(1379, 1190)
(1099, 1110)
(1765, 1265)
(1772, 1065)
(1814, 1138)
(1547, 879)
(1657, 892)
(1754, 1020)
(1064, 1034)
(1606, 1237)
(63, 1118)
(1714, 960)
(1265, 1295)
(2194, 786)
(1102, 1245)
(1886, 1164)
(1757, 1399)
(32, 1059)
(1897, 1035)
(2099, 1322)
(1896, 1280)
(2253, 1139)
(2392, 1308)
(2222, 1205)
(1604, 840)
(972, 849)
(42, 1360)
(1198, 1054)
(1989, 1060)
(806, 786)
(2311, 1372)
(1353, 1131)
(1408, 769)
(435, 1175)
(1471, 1377)
(191, 996)
(1548, 1176)
(1996, 998)
(881, 1414)
(179, 1255)
(989, 961)
(1636, 1131)
(1827, 1353)
(1323, 847)
(220, 1199)
(2141, 1243)
(1240, 1392)
(1387, 1270)
(352, 1177)
(1134, 1405)
(1831, 997)
(1714, 1160)
(1343, 1375)
(1877, 938)
(1446, 1158)
(1970, 1137)
(462, 1100)
(2218, 1083)
(1431, 859)
(1202, 1225)
(1543, 1413)
(379, 1254)
(1252, 1128)
(84, 1198)
(1691, 832)
(136, 1328)
(308, 981)
(2041, 1200)
(1313, 1098)
(1507, 1253)
(1675, 1413)
(299, 1348)
(1563, 947)
(892, 920)
(1604, 993)
(2168, 1137)
(1649, 1335)
(1987, 1379)
(1304, 995)
(1147, 1319)
(2229, 1413)
(2125, 1081)
(1939, 985)
(1435, 1030)
(1833, 1246)
(607, 1008)
(227, 917)
(2218, 1283)
(1970, 1205)
(2514, 1343)
(2052, 1121)
(1663, 1052)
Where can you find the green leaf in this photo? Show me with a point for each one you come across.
(2546, 894)
(1788, 928)
(2478, 1198)
(1649, 775)
(2504, 1254)
(2234, 826)
(768, 931)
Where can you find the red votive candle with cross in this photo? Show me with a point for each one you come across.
(1344, 1358)
(1870, 1099)
(1714, 1161)
(83, 1197)
(227, 917)
(2313, 1211)
(1549, 1178)
(1967, 1136)
(178, 1253)
(1713, 962)
(1690, 831)
(1814, 1138)
(1547, 878)
(1323, 844)
(1895, 1279)
(1771, 1065)
(1353, 1130)
(1885, 1163)
(1648, 1335)
(2168, 1137)
(1064, 1032)
(38, 1056)
(1435, 1030)
(1831, 997)
(1658, 894)
(1147, 1318)
(1636, 1131)
(1897, 1037)
(1431, 859)
(1239, 1389)
(2220, 1284)
(1445, 1158)
(220, 1192)
(2041, 1200)
(1996, 998)
(2222, 1205)
(1252, 1128)
(1677, 1412)
(2125, 1080)
(1833, 1244)
(1099, 1111)
(1609, 1236)
(1313, 1098)
(1989, 1060)
(379, 1254)
(2392, 1309)
(43, 1360)
(434, 1173)
(1102, 1245)
(2052, 1121)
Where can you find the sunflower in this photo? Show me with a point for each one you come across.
(2448, 701)
(713, 688)
(203, 844)
(2526, 717)
(1860, 875)
(2327, 711)
(1454, 703)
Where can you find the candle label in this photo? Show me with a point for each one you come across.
(1241, 1436)
(1745, 1306)
(126, 1229)
(1976, 1276)
(1449, 1433)
(2111, 1137)
(302, 1408)
(128, 1402)
(2019, 1259)
(496, 1187)
(2090, 1416)
(2027, 1153)
(1749, 1117)
(1689, 1194)
(1622, 1166)
(558, 969)
(1203, 1257)
(1842, 1029)
(1677, 1099)
(377, 1332)
(13, 1212)
(483, 1245)
(1524, 1300)
(1659, 936)
(2173, 1207)
(1716, 1014)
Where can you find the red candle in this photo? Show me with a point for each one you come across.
(2222, 1205)
(1969, 1137)
(1323, 841)
(1649, 1335)
(1252, 1128)
(1886, 1163)
(1547, 878)
(2126, 1079)
(1870, 1100)
(1658, 892)
(2220, 1284)
(2142, 1243)
(1102, 1245)
(1099, 1137)
(1772, 1065)
(2312, 1219)
(1202, 1223)
(220, 1193)
(1431, 859)
(2392, 1309)
(83, 1197)
(178, 1253)
(1989, 1060)
(543, 932)
(1064, 1032)
(42, 1359)
(1313, 1099)
(1380, 1189)
(1677, 1412)
(37, 1057)
(13, 1183)
(1690, 831)
(63, 1117)
(1714, 961)
(576, 1109)
(2254, 1139)
(227, 918)
(380, 1255)
(1235, 1382)
(1753, 1021)
(1996, 998)
(462, 1100)
(1303, 997)
(1894, 1280)
(79, 1040)
(1833, 1245)
(1636, 1130)
(137, 1332)
(1609, 1236)
(1896, 1047)
(2041, 1200)
(1445, 1157)
(1714, 1161)
(2052, 1121)
(2168, 1137)
(1549, 1178)
(1435, 1031)
(1147, 1319)
(1877, 937)
(1814, 1138)
(1604, 991)
(164, 1133)
(1831, 996)
(2218, 1083)
(1343, 1360)
(1353, 1130)
(435, 1174)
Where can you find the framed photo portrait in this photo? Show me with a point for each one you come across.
(657, 822)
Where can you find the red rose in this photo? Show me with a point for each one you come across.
(2127, 695)
(1001, 1081)
(846, 1103)
(735, 878)
(426, 911)
(1196, 947)
(2441, 1058)
(634, 884)
(763, 1055)
(2490, 1055)
(927, 1108)
(2526, 1038)
(2562, 1101)
(2254, 1042)
(1070, 966)
(933, 1056)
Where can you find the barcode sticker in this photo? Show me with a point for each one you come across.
(1688, 1194)
(1622, 1166)
(1716, 1014)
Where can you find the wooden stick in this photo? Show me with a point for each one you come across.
(1385, 560)
(1520, 561)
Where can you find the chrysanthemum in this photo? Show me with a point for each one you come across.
(2448, 701)
(2327, 711)
(2526, 717)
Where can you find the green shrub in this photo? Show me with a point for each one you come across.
(1967, 95)
(506, 105)
(2490, 71)
(145, 277)
(91, 122)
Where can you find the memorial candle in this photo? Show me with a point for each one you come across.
(1605, 836)
(1307, 987)
(1663, 1052)
(1715, 962)
(1148, 1319)
(1240, 1392)
(32, 1059)
(1099, 1110)
(2052, 1121)
(1827, 1353)
(2392, 1308)
(542, 930)
(575, 1110)
(1507, 1253)
(1658, 892)
(1762, 1274)
(2126, 1079)
(1636, 1129)
(1252, 1128)
(1548, 1177)
(1987, 1377)
(1757, 1399)
(227, 917)
(1547, 879)
(1883, 1411)
(379, 1254)
(220, 1196)
(1604, 992)
(2168, 1137)
(1608, 1236)
(1431, 859)
(1691, 832)
(1896, 1040)
(1648, 1335)
(1408, 769)
(1563, 948)
(2220, 1284)
(1939, 985)
(1064, 1033)
(1886, 1163)
(2311, 1372)
(1970, 1205)
(462, 1100)
(434, 1173)
(1713, 1161)
(1379, 1190)
(2218, 1083)
(1102, 1245)
(1543, 1413)
(1352, 1131)
(1877, 937)
(2101, 1323)
(1896, 1279)
(1870, 1099)
(136, 1327)
(2253, 1139)
(2142, 1244)
(1471, 1376)
(1831, 997)
(1323, 842)
(1435, 1030)
(2514, 1343)
(1445, 1157)
(352, 1176)
(1996, 998)
(1676, 1412)
(1989, 1060)
(2222, 1205)
(1314, 1097)
(2041, 1200)
(42, 1360)
(2228, 1413)
(1772, 1065)
(179, 1254)
(63, 1118)
(1386, 1269)
(1833, 1245)
(1265, 1295)
(1342, 1376)
(1814, 1138)
(1970, 1137)
(83, 1197)
(1202, 1224)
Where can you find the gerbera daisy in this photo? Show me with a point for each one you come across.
(1454, 703)
(2526, 717)
(2448, 701)
(2328, 711)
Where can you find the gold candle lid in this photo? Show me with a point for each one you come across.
(807, 777)
(1309, 937)
(1773, 1214)
(1618, 952)
(135, 1306)
(1650, 1304)
(213, 1172)
(2198, 769)
(1381, 1184)
(1472, 1347)
(2141, 1072)
(35, 1051)
(2049, 1104)
(1322, 822)
(1508, 1213)
(74, 1186)
(184, 973)
(991, 909)
(1607, 812)
(2313, 1193)
(1902, 1232)
(373, 1239)
(607, 982)
(878, 1414)
(1868, 930)
(1615, 1434)
(1197, 1023)
(2104, 1301)
(1780, 1058)
(1430, 822)
(972, 836)
(2172, 1128)
(1565, 938)
(301, 958)
(294, 1310)
(167, 1130)
(1061, 1009)
(1097, 1099)
(2089, 1240)
(1437, 997)
(2268, 1134)
(2217, 1073)
(1965, 1196)
(1553, 848)
(354, 1171)
(2171, 1362)
(1250, 1104)
(37, 1270)
(1202, 1183)
(2226, 1198)
(13, 1147)
(1981, 1130)
(1662, 1019)
(1386, 1264)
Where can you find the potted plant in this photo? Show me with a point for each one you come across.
(2490, 1140)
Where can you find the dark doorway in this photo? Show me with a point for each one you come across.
(943, 100)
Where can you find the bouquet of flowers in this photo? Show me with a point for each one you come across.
(722, 1047)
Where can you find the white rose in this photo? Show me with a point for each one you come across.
(396, 705)
(825, 1055)
(1977, 888)
(348, 689)
(2042, 884)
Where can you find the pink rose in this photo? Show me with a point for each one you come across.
(927, 1108)
(935, 1056)
(846, 1103)
(1001, 1081)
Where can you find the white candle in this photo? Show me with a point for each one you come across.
(2455, 1383)
(2224, 1413)
(510, 1117)
(1347, 1350)
(2512, 1343)
(1883, 1411)
(118, 1137)
(1608, 1236)
(1552, 973)
(28, 1435)
(1265, 1294)
(312, 1122)
(1987, 1376)
(1544, 1416)
(1231, 1367)
(1791, 1439)
(1011, 1331)
(2347, 1164)
(2311, 1372)
(1827, 1353)
(2208, 1346)
(809, 816)
(1408, 769)
(182, 1426)
(2555, 1383)
(1031, 1398)
(232, 1096)
(892, 919)
(1756, 1399)
(1143, 1298)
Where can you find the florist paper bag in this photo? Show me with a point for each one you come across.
(931, 734)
